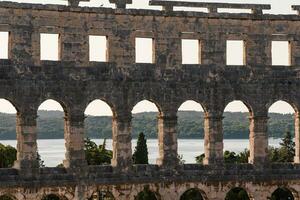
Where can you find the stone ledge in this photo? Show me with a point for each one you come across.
(145, 12)
(212, 7)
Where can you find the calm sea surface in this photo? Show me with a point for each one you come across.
(53, 151)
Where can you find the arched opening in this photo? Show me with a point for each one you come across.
(237, 194)
(144, 127)
(192, 194)
(146, 194)
(102, 195)
(6, 197)
(236, 132)
(8, 143)
(282, 194)
(53, 197)
(281, 132)
(50, 128)
(98, 128)
(190, 131)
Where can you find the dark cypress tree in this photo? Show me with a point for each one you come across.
(287, 149)
(140, 155)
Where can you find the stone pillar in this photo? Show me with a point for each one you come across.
(213, 140)
(258, 140)
(74, 140)
(297, 138)
(121, 131)
(26, 141)
(167, 141)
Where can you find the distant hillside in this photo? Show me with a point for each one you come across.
(190, 125)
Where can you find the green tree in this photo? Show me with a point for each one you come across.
(199, 159)
(97, 155)
(40, 161)
(274, 154)
(243, 156)
(230, 157)
(140, 155)
(8, 155)
(287, 149)
(285, 153)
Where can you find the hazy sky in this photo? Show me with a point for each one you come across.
(99, 108)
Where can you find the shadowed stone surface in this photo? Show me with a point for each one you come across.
(74, 82)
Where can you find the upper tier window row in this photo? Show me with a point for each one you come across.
(191, 50)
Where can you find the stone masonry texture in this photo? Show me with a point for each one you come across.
(74, 82)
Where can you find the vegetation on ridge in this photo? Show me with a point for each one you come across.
(190, 125)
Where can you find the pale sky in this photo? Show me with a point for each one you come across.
(100, 108)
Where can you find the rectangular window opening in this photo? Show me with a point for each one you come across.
(144, 52)
(235, 52)
(4, 43)
(50, 47)
(191, 51)
(98, 48)
(281, 53)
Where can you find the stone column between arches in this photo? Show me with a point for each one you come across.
(26, 140)
(297, 137)
(167, 141)
(122, 152)
(74, 139)
(258, 140)
(213, 139)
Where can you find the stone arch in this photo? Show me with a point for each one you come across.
(138, 112)
(193, 194)
(195, 101)
(102, 195)
(159, 108)
(236, 114)
(284, 193)
(292, 103)
(147, 194)
(9, 129)
(278, 128)
(193, 113)
(62, 103)
(50, 106)
(104, 102)
(64, 193)
(237, 193)
(106, 131)
(9, 108)
(240, 101)
(11, 104)
(53, 196)
(7, 197)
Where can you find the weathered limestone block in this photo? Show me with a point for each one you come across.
(213, 140)
(26, 141)
(122, 152)
(258, 140)
(167, 141)
(297, 137)
(74, 136)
